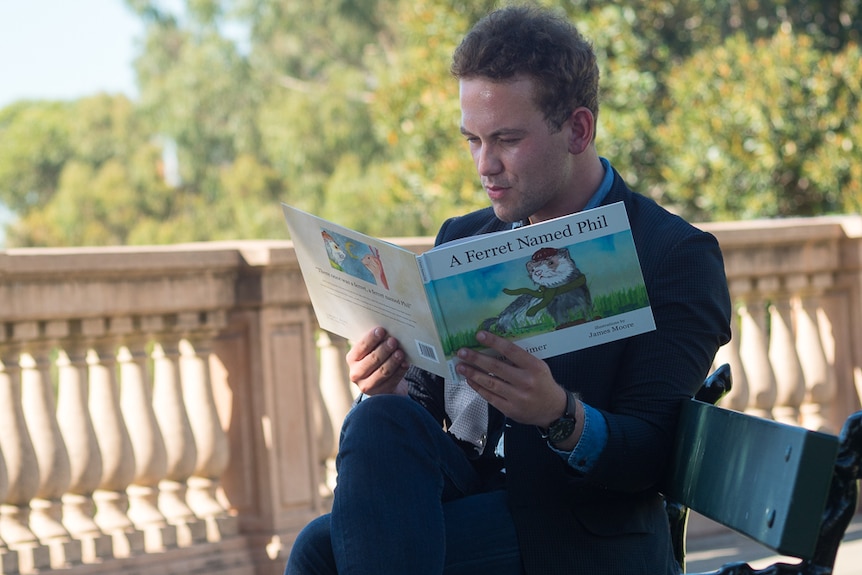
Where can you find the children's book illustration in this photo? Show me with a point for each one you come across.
(561, 289)
(355, 258)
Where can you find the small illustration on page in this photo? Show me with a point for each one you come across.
(374, 264)
(359, 260)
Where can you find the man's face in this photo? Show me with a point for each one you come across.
(525, 167)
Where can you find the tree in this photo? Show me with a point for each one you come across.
(718, 108)
(772, 133)
(35, 143)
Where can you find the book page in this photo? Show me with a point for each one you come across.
(357, 282)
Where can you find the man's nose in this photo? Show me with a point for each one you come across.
(487, 162)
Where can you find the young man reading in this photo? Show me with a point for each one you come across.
(534, 466)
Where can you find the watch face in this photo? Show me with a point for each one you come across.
(561, 429)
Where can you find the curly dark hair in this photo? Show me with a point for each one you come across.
(527, 40)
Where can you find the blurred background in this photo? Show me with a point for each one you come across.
(155, 122)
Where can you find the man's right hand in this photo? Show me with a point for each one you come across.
(378, 364)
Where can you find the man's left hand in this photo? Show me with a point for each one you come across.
(521, 385)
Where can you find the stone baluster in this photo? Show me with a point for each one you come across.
(174, 425)
(22, 469)
(76, 427)
(55, 474)
(754, 352)
(737, 398)
(213, 452)
(789, 382)
(336, 395)
(148, 445)
(115, 448)
(820, 383)
(8, 557)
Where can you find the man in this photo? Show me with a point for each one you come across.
(563, 477)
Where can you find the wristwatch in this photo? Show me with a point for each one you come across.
(564, 427)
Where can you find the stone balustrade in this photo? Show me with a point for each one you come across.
(175, 409)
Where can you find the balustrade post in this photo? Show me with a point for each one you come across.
(55, 474)
(115, 448)
(336, 396)
(818, 371)
(737, 398)
(789, 382)
(76, 427)
(211, 443)
(22, 469)
(173, 421)
(8, 558)
(754, 351)
(148, 445)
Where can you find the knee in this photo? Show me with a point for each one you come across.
(311, 553)
(380, 411)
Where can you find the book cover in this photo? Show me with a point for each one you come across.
(553, 287)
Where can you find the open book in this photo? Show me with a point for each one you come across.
(552, 287)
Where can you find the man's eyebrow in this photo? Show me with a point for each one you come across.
(497, 133)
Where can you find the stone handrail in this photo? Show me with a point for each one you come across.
(175, 409)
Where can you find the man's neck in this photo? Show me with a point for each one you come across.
(586, 179)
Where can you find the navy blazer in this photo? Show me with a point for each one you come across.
(612, 520)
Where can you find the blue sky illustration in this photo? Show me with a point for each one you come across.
(352, 264)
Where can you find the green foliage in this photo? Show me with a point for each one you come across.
(719, 109)
(416, 116)
(772, 133)
(35, 144)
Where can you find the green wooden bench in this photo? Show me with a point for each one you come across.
(791, 489)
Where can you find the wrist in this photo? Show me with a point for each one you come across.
(569, 444)
(563, 428)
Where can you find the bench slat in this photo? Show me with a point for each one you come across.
(765, 479)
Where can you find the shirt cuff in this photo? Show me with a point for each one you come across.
(591, 444)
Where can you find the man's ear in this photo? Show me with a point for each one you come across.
(582, 125)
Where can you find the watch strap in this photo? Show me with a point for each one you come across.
(568, 418)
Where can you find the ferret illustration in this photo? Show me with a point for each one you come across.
(562, 292)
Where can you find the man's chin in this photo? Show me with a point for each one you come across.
(506, 215)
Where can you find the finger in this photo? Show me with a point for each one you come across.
(386, 379)
(394, 364)
(484, 363)
(485, 382)
(492, 389)
(366, 344)
(378, 362)
(508, 349)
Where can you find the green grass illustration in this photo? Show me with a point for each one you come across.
(604, 306)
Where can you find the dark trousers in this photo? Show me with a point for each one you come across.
(407, 502)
